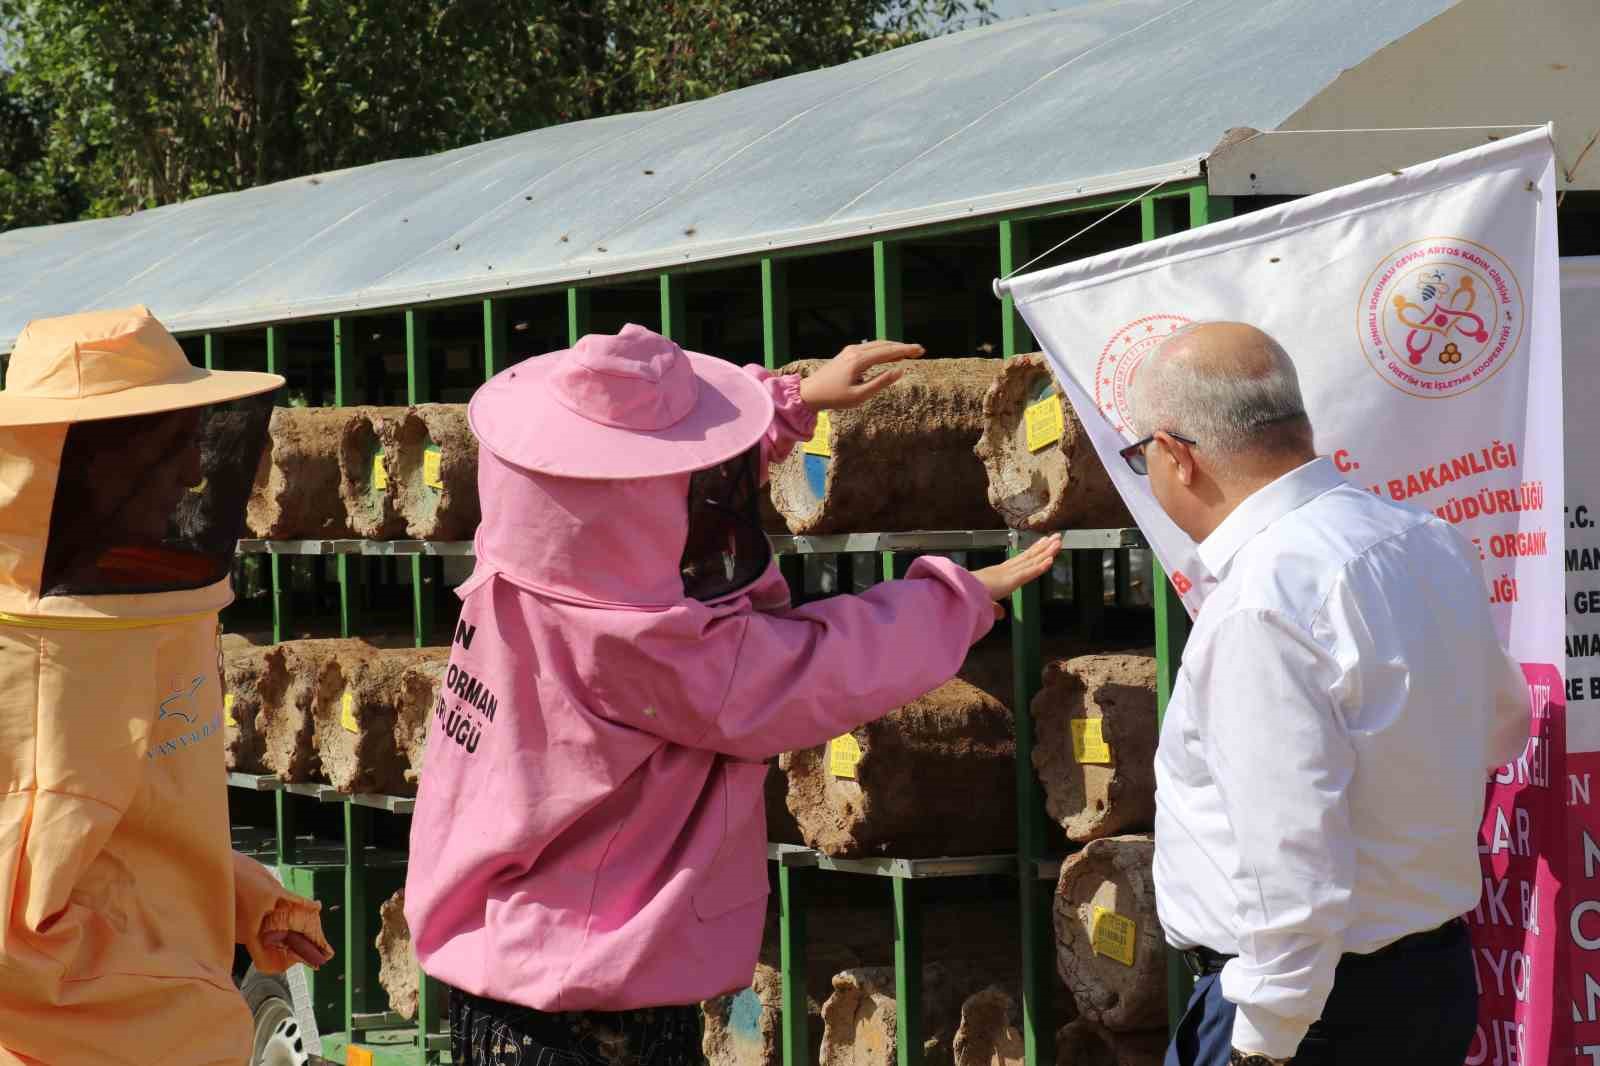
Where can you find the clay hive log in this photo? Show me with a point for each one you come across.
(357, 710)
(902, 461)
(1083, 1043)
(860, 1024)
(418, 694)
(934, 777)
(1095, 736)
(991, 1029)
(293, 678)
(397, 962)
(746, 1028)
(432, 465)
(991, 1021)
(244, 739)
(1049, 479)
(368, 492)
(1109, 946)
(296, 492)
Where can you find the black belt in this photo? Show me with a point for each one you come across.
(1202, 962)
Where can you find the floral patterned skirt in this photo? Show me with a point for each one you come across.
(486, 1032)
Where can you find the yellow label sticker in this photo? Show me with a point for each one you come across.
(380, 474)
(844, 754)
(347, 712)
(358, 1056)
(1046, 422)
(432, 476)
(821, 442)
(1112, 935)
(1089, 741)
(227, 710)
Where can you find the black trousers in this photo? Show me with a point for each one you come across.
(486, 1032)
(1416, 1005)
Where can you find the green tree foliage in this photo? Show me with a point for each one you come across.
(109, 106)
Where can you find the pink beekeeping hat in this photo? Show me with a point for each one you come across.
(633, 405)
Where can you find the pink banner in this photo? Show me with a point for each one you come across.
(1516, 927)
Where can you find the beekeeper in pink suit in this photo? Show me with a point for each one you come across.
(588, 856)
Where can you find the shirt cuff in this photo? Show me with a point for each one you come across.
(1260, 1032)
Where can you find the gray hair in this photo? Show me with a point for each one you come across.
(1227, 413)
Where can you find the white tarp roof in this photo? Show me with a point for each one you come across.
(1104, 95)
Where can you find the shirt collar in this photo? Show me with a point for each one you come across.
(1263, 507)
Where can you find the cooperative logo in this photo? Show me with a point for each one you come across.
(1120, 359)
(1440, 316)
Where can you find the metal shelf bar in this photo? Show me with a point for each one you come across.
(922, 869)
(782, 543)
(392, 804)
(254, 782)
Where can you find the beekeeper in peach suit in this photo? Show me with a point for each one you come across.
(124, 472)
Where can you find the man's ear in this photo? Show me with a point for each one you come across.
(1179, 455)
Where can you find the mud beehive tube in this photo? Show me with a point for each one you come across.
(1109, 945)
(356, 713)
(294, 678)
(397, 961)
(1050, 478)
(1095, 733)
(244, 741)
(432, 460)
(905, 785)
(296, 492)
(365, 486)
(902, 461)
(414, 706)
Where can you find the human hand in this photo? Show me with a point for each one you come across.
(837, 385)
(299, 945)
(1005, 578)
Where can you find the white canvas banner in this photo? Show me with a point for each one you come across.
(1422, 310)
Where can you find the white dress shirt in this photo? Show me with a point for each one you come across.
(1320, 777)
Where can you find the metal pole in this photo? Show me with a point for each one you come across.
(577, 314)
(774, 313)
(494, 336)
(348, 569)
(907, 972)
(1015, 337)
(887, 304)
(674, 313)
(792, 960)
(419, 387)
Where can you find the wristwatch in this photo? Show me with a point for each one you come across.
(1243, 1058)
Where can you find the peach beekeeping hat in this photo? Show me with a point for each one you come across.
(110, 364)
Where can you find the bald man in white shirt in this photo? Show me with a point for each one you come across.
(1321, 773)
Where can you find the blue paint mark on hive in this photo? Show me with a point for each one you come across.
(817, 474)
(744, 1017)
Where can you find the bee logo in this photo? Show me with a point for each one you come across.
(181, 704)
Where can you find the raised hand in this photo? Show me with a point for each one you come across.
(1005, 578)
(838, 385)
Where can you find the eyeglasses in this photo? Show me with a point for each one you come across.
(1133, 454)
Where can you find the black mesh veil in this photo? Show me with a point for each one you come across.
(153, 503)
(726, 549)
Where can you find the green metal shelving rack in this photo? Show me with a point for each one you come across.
(358, 871)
